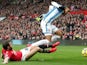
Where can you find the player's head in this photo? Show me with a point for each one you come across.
(66, 10)
(7, 45)
(63, 8)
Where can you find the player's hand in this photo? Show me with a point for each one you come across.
(4, 62)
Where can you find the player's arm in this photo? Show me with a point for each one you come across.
(2, 56)
(5, 61)
(39, 18)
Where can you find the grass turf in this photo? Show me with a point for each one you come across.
(65, 55)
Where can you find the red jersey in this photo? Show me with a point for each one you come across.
(13, 55)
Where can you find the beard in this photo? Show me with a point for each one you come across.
(10, 48)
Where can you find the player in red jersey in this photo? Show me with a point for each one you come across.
(24, 54)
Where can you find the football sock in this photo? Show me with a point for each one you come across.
(48, 51)
(45, 46)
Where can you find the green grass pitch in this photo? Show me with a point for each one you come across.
(65, 55)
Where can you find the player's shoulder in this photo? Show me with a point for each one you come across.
(9, 51)
(3, 50)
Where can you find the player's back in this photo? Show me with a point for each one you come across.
(52, 14)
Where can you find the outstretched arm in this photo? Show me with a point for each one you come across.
(5, 61)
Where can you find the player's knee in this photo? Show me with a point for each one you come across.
(37, 48)
(59, 32)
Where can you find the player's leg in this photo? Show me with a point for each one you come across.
(45, 50)
(46, 30)
(41, 42)
(49, 45)
(66, 9)
(48, 50)
(33, 51)
(57, 31)
(55, 4)
(36, 49)
(48, 37)
(52, 46)
(44, 46)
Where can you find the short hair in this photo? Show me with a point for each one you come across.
(5, 44)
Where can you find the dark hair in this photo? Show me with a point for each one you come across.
(5, 44)
(62, 8)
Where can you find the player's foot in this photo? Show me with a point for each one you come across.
(52, 50)
(55, 44)
(28, 45)
(55, 4)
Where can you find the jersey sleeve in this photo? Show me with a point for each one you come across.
(3, 51)
(8, 54)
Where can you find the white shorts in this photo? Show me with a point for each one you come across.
(24, 53)
(48, 29)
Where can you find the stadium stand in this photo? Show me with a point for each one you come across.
(20, 20)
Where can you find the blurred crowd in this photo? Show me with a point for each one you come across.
(21, 23)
